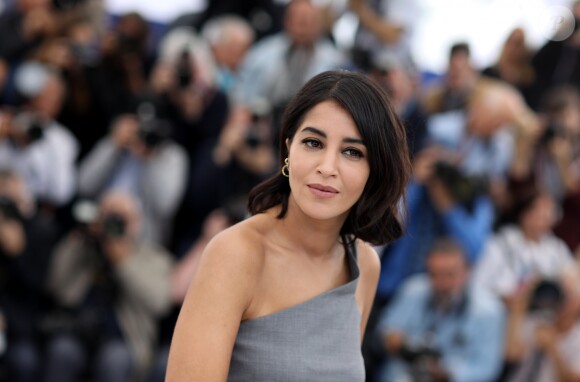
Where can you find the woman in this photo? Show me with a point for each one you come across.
(286, 294)
(524, 248)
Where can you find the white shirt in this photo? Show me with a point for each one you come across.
(509, 258)
(47, 165)
(568, 346)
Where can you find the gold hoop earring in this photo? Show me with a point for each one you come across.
(285, 169)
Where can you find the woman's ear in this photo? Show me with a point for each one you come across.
(287, 145)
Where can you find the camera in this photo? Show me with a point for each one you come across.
(30, 126)
(114, 226)
(9, 209)
(419, 358)
(546, 299)
(153, 132)
(552, 131)
(261, 111)
(462, 187)
(183, 69)
(413, 353)
(63, 5)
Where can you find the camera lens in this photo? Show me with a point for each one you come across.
(114, 226)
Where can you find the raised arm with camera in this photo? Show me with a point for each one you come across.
(139, 157)
(247, 139)
(459, 199)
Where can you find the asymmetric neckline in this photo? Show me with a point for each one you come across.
(350, 252)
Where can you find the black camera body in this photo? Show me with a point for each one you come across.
(114, 226)
(414, 353)
(184, 74)
(462, 187)
(546, 299)
(63, 5)
(552, 131)
(8, 209)
(153, 132)
(419, 357)
(29, 126)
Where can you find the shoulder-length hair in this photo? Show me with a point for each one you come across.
(376, 216)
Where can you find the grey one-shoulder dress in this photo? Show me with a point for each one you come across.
(317, 340)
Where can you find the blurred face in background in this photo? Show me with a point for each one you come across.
(569, 119)
(231, 50)
(125, 206)
(303, 22)
(48, 102)
(539, 218)
(448, 274)
(27, 5)
(460, 74)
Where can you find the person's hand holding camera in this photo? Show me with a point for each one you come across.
(425, 171)
(232, 136)
(437, 371)
(394, 342)
(12, 236)
(117, 249)
(163, 79)
(116, 241)
(561, 149)
(424, 165)
(546, 336)
(38, 23)
(5, 124)
(124, 132)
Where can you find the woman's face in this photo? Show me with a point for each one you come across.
(328, 163)
(540, 216)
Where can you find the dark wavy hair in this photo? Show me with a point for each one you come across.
(376, 216)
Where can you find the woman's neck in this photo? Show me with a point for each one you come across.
(317, 238)
(531, 235)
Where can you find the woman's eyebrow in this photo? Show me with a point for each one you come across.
(314, 130)
(321, 133)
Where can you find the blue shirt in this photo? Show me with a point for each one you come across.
(425, 224)
(470, 337)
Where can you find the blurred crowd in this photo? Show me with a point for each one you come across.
(124, 151)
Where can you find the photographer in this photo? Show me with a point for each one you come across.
(442, 201)
(543, 332)
(113, 287)
(26, 239)
(439, 327)
(23, 26)
(247, 140)
(138, 157)
(524, 248)
(33, 143)
(548, 157)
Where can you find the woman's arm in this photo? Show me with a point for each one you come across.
(370, 268)
(219, 293)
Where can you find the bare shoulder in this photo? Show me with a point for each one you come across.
(368, 260)
(219, 293)
(240, 248)
(370, 269)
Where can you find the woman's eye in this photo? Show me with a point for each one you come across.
(354, 153)
(313, 143)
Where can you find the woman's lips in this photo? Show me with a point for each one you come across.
(323, 191)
